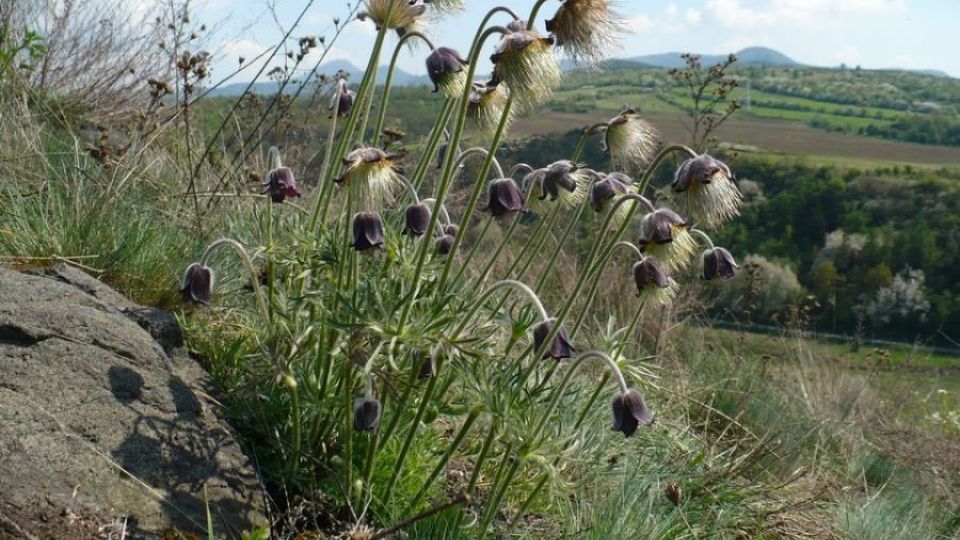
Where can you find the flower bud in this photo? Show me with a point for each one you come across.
(674, 493)
(504, 197)
(629, 412)
(367, 232)
(718, 263)
(560, 348)
(416, 219)
(445, 68)
(707, 191)
(342, 98)
(444, 244)
(451, 229)
(197, 284)
(366, 414)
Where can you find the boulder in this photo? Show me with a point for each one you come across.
(106, 425)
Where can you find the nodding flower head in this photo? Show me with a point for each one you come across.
(664, 235)
(564, 181)
(606, 191)
(653, 282)
(445, 244)
(366, 414)
(560, 348)
(367, 232)
(416, 219)
(487, 104)
(342, 98)
(504, 198)
(373, 174)
(451, 229)
(630, 141)
(718, 263)
(445, 68)
(446, 6)
(403, 14)
(629, 412)
(197, 284)
(526, 63)
(707, 191)
(586, 30)
(517, 25)
(280, 184)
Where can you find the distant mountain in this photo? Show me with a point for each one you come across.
(751, 56)
(400, 78)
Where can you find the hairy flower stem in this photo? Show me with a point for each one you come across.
(582, 141)
(561, 388)
(372, 447)
(462, 158)
(592, 293)
(367, 85)
(387, 84)
(631, 328)
(494, 503)
(477, 467)
(574, 221)
(504, 240)
(532, 20)
(451, 448)
(348, 420)
(295, 429)
(254, 275)
(447, 176)
(705, 236)
(476, 245)
(411, 433)
(436, 135)
(522, 287)
(324, 184)
(531, 249)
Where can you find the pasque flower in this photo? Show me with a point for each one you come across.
(664, 235)
(400, 15)
(366, 414)
(487, 104)
(280, 182)
(629, 412)
(630, 141)
(653, 282)
(416, 219)
(197, 283)
(718, 263)
(373, 174)
(445, 244)
(342, 98)
(445, 69)
(562, 180)
(559, 348)
(526, 63)
(586, 30)
(707, 191)
(504, 197)
(367, 232)
(606, 191)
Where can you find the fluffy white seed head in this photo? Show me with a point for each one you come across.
(526, 63)
(587, 31)
(630, 141)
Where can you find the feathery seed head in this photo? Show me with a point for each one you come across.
(630, 141)
(706, 190)
(664, 235)
(445, 68)
(487, 104)
(397, 15)
(372, 173)
(526, 63)
(586, 30)
(653, 282)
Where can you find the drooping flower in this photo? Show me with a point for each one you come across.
(366, 414)
(487, 104)
(517, 25)
(197, 284)
(373, 174)
(280, 184)
(586, 30)
(445, 244)
(562, 180)
(629, 412)
(451, 229)
(400, 15)
(342, 98)
(707, 191)
(606, 191)
(504, 198)
(653, 282)
(416, 219)
(718, 263)
(560, 347)
(630, 141)
(367, 232)
(445, 68)
(664, 235)
(526, 63)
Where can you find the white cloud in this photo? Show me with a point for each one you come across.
(809, 13)
(693, 17)
(639, 23)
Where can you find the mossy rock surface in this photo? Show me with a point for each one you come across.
(106, 425)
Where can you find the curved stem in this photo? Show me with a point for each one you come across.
(413, 191)
(504, 240)
(533, 13)
(703, 235)
(254, 275)
(443, 209)
(655, 162)
(483, 152)
(494, 288)
(631, 246)
(582, 142)
(325, 184)
(476, 245)
(561, 388)
(531, 249)
(274, 160)
(389, 81)
(520, 167)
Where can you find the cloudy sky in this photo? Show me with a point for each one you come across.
(872, 33)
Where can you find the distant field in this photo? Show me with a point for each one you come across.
(767, 135)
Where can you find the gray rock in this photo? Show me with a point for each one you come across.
(104, 430)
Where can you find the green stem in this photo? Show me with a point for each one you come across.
(467, 424)
(295, 428)
(254, 275)
(705, 237)
(522, 287)
(476, 245)
(504, 240)
(477, 466)
(494, 503)
(582, 142)
(584, 309)
(323, 182)
(574, 221)
(530, 249)
(389, 81)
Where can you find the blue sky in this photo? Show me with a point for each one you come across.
(871, 33)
